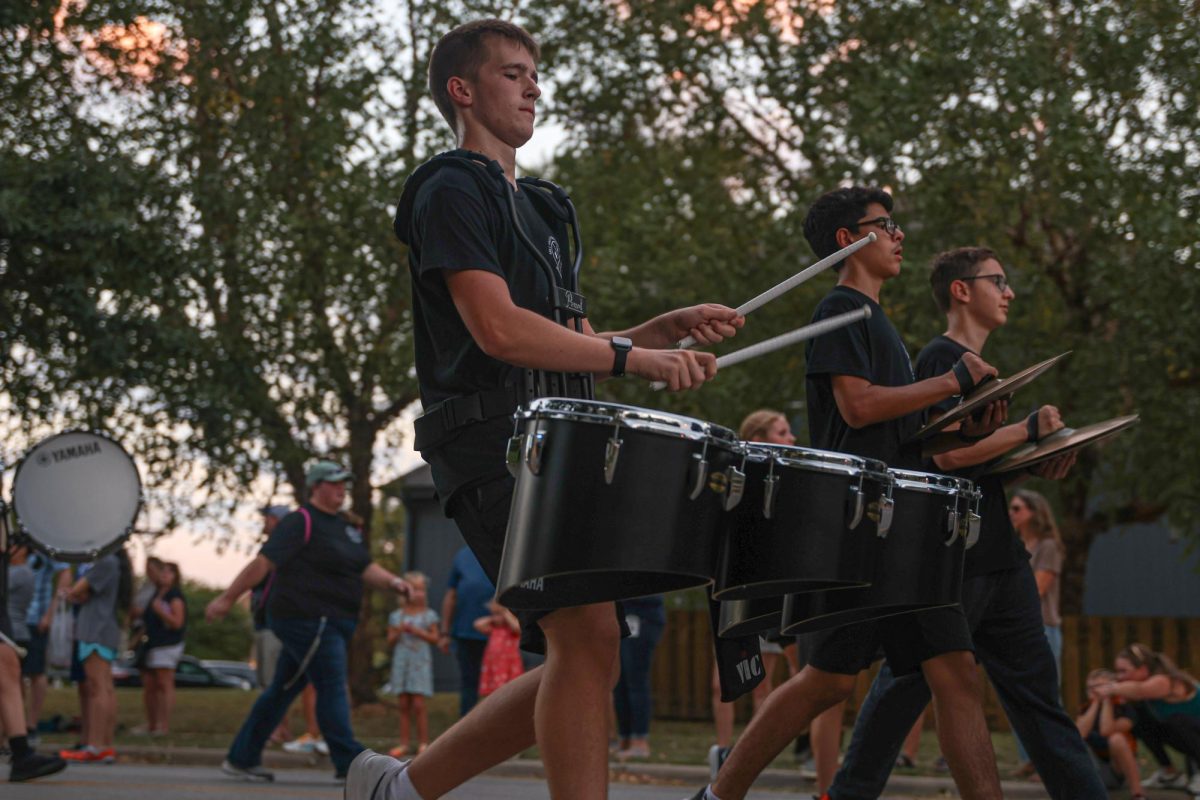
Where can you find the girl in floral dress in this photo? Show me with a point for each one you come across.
(412, 630)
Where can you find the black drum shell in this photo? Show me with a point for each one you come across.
(807, 543)
(580, 540)
(760, 615)
(915, 570)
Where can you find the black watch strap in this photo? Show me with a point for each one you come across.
(621, 347)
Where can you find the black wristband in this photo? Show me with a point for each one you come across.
(965, 382)
(1031, 428)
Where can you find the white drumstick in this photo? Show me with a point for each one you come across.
(791, 283)
(784, 340)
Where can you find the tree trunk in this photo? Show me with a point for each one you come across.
(362, 682)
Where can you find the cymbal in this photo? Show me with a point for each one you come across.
(987, 392)
(1061, 442)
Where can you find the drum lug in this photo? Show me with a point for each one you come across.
(858, 504)
(612, 450)
(512, 458)
(952, 517)
(699, 475)
(881, 514)
(535, 443)
(974, 522)
(769, 487)
(737, 486)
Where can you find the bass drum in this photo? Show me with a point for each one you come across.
(932, 520)
(76, 495)
(613, 502)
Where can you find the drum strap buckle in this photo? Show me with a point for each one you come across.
(699, 472)
(737, 486)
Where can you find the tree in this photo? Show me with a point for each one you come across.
(1063, 135)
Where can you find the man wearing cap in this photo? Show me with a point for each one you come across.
(321, 563)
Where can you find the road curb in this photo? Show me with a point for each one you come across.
(688, 776)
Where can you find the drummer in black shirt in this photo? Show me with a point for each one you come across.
(483, 331)
(1000, 595)
(864, 399)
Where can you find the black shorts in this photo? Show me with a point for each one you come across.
(481, 513)
(35, 662)
(906, 640)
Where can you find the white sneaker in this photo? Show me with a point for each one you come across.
(716, 757)
(302, 744)
(252, 774)
(321, 747)
(1166, 779)
(1194, 784)
(372, 776)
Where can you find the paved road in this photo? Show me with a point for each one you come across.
(154, 782)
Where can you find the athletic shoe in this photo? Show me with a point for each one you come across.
(105, 756)
(904, 762)
(321, 747)
(1194, 785)
(699, 795)
(35, 765)
(1162, 778)
(80, 753)
(302, 744)
(250, 774)
(369, 771)
(716, 757)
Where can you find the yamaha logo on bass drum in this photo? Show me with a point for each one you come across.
(68, 454)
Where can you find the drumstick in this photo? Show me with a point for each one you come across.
(791, 283)
(810, 331)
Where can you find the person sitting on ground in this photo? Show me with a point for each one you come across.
(1106, 724)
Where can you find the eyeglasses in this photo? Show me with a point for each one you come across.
(889, 225)
(1001, 281)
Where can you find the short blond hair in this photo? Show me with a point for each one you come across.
(758, 422)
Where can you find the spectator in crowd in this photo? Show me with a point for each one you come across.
(48, 575)
(26, 763)
(137, 640)
(469, 590)
(103, 589)
(645, 617)
(1106, 724)
(1033, 520)
(1171, 695)
(502, 656)
(412, 630)
(321, 565)
(165, 620)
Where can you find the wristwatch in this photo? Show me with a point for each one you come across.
(621, 347)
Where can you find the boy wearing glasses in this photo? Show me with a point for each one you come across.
(865, 399)
(1000, 597)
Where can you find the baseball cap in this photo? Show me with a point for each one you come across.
(327, 471)
(278, 512)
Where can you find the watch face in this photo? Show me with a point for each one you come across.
(622, 342)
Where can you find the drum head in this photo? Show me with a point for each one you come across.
(76, 495)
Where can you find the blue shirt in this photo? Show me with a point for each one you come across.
(43, 588)
(475, 590)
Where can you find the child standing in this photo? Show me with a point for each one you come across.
(411, 630)
(502, 656)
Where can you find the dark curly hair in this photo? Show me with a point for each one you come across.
(841, 208)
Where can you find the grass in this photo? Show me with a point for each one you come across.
(210, 717)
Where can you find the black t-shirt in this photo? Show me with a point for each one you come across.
(998, 547)
(458, 224)
(320, 578)
(870, 349)
(157, 632)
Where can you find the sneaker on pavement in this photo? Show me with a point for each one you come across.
(301, 744)
(369, 774)
(1193, 786)
(1163, 778)
(258, 774)
(321, 747)
(35, 765)
(81, 753)
(105, 756)
(716, 757)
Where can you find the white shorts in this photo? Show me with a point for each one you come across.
(164, 657)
